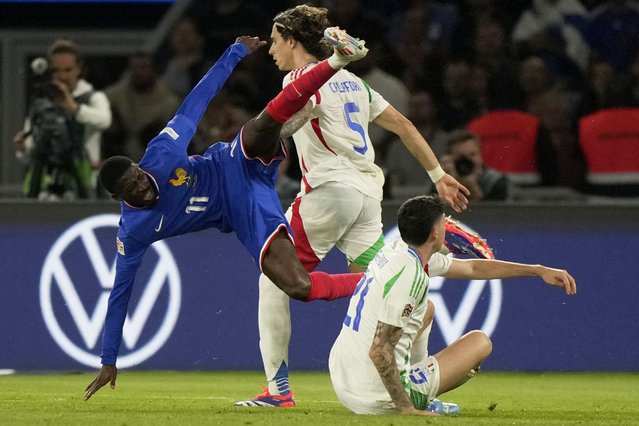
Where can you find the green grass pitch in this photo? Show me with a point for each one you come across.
(178, 398)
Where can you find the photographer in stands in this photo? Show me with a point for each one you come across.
(464, 162)
(61, 139)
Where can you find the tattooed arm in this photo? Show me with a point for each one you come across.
(382, 354)
(296, 122)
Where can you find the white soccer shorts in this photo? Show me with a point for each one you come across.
(423, 387)
(335, 214)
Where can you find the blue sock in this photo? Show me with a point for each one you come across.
(279, 385)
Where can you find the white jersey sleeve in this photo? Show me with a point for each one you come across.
(439, 264)
(378, 103)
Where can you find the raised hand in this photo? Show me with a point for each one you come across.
(65, 98)
(251, 43)
(453, 192)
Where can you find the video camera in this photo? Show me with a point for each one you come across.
(51, 130)
(42, 85)
(464, 166)
(49, 120)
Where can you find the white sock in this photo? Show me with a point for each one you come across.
(274, 320)
(337, 61)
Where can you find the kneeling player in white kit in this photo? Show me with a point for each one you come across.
(379, 362)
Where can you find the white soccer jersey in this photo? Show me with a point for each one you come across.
(393, 291)
(334, 145)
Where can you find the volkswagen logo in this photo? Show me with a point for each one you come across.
(76, 261)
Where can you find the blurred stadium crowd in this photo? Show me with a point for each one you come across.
(543, 71)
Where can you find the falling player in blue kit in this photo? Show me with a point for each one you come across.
(231, 187)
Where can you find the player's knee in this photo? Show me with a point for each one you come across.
(281, 266)
(482, 343)
(294, 285)
(430, 313)
(299, 289)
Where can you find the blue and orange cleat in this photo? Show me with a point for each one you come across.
(461, 240)
(265, 399)
(445, 408)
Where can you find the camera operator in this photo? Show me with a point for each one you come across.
(464, 162)
(61, 139)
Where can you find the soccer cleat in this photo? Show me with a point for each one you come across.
(460, 239)
(445, 408)
(349, 47)
(265, 399)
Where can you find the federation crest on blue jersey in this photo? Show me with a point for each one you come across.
(181, 177)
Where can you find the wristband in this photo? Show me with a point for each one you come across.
(436, 174)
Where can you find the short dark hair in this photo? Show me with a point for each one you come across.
(459, 136)
(306, 24)
(112, 170)
(417, 216)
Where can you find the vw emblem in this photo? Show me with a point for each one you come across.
(60, 282)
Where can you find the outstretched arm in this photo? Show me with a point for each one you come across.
(130, 254)
(490, 269)
(448, 188)
(198, 99)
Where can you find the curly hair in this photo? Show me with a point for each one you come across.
(306, 24)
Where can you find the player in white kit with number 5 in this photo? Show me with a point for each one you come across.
(339, 204)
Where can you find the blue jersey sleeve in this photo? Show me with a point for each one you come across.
(182, 127)
(130, 252)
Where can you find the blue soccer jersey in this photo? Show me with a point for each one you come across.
(221, 189)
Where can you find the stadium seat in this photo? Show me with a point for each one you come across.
(610, 141)
(508, 143)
